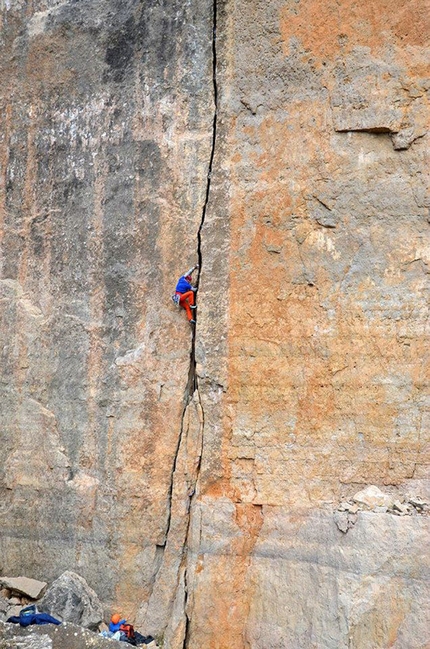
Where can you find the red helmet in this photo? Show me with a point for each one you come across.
(188, 277)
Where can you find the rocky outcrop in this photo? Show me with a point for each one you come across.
(67, 599)
(195, 481)
(31, 588)
(70, 599)
(323, 587)
(65, 636)
(69, 602)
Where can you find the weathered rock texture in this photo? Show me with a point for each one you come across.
(106, 132)
(203, 504)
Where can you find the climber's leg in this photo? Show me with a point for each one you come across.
(185, 301)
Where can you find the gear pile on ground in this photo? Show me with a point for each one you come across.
(67, 615)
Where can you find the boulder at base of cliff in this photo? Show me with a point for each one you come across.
(70, 599)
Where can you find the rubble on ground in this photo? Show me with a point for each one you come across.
(31, 588)
(68, 599)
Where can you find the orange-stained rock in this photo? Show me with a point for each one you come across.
(313, 330)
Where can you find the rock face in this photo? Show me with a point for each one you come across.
(106, 131)
(311, 363)
(193, 483)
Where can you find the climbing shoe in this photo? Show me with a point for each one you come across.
(193, 306)
(192, 321)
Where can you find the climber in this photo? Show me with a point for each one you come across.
(184, 293)
(120, 629)
(116, 622)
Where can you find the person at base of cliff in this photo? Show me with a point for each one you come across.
(116, 622)
(184, 293)
(122, 630)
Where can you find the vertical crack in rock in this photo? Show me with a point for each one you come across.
(214, 133)
(192, 379)
(192, 384)
(191, 494)
(191, 392)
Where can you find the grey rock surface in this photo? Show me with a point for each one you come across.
(106, 114)
(27, 642)
(14, 601)
(14, 610)
(345, 520)
(65, 636)
(356, 578)
(70, 599)
(418, 503)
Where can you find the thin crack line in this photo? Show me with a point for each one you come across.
(214, 135)
(192, 384)
(187, 534)
(192, 372)
(172, 475)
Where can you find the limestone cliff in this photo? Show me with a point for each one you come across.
(193, 481)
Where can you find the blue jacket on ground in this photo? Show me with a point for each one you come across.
(33, 618)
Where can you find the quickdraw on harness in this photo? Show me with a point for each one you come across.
(176, 297)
